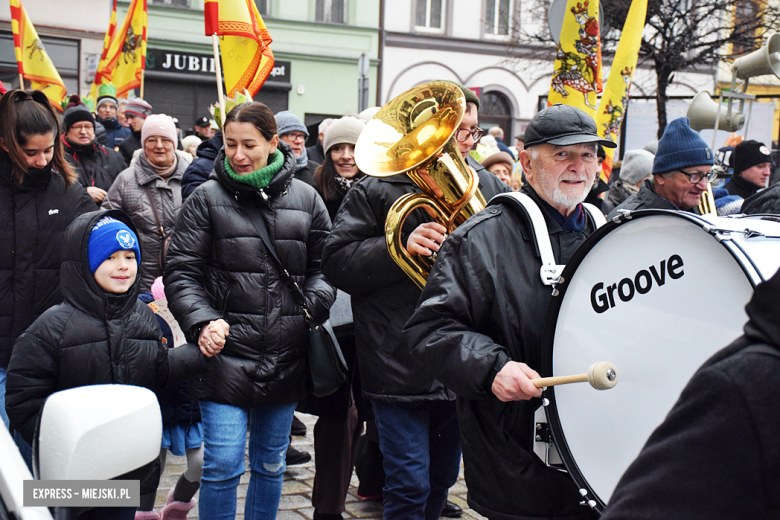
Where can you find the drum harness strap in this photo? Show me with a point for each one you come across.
(550, 271)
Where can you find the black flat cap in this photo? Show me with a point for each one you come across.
(563, 125)
(202, 121)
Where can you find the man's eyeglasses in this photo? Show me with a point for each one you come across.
(696, 177)
(296, 136)
(463, 134)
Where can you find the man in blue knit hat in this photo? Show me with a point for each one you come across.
(681, 170)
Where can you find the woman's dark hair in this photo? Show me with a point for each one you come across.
(23, 115)
(325, 180)
(257, 114)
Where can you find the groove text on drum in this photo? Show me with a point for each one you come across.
(602, 299)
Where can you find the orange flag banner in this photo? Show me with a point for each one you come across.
(126, 56)
(93, 91)
(31, 57)
(576, 79)
(245, 43)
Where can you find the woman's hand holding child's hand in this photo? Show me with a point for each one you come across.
(212, 337)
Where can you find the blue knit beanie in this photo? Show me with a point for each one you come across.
(680, 147)
(109, 236)
(287, 122)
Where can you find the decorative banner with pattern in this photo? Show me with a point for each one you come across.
(126, 56)
(32, 60)
(576, 79)
(614, 102)
(245, 43)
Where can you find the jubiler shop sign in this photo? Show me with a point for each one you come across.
(190, 63)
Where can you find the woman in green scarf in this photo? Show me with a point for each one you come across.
(229, 296)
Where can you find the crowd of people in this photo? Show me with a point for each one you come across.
(111, 211)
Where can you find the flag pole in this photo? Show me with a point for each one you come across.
(21, 81)
(143, 76)
(220, 95)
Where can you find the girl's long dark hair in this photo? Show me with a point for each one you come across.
(24, 114)
(255, 113)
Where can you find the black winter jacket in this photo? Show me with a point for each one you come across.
(33, 219)
(218, 267)
(92, 338)
(484, 304)
(765, 201)
(96, 165)
(201, 167)
(647, 198)
(129, 145)
(356, 260)
(306, 174)
(715, 455)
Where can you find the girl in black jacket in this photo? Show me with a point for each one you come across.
(39, 198)
(220, 278)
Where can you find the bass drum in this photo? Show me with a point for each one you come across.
(656, 293)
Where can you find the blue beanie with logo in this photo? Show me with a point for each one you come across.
(681, 147)
(109, 236)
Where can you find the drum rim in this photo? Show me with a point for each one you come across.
(550, 326)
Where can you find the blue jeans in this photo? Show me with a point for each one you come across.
(3, 415)
(420, 443)
(224, 448)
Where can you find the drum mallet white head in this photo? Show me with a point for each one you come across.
(601, 375)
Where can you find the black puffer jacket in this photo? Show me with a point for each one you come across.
(218, 267)
(129, 145)
(647, 198)
(201, 167)
(715, 455)
(92, 338)
(484, 304)
(96, 165)
(115, 132)
(356, 260)
(765, 201)
(33, 219)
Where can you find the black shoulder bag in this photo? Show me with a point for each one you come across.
(326, 362)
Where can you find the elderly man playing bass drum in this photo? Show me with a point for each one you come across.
(478, 321)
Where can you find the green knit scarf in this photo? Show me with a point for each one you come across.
(259, 178)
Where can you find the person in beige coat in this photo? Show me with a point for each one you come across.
(150, 192)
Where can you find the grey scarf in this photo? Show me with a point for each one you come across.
(302, 160)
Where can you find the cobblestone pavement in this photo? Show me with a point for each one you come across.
(298, 481)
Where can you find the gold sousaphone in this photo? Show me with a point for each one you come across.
(415, 134)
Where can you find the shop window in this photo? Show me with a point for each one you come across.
(171, 3)
(429, 16)
(498, 18)
(330, 11)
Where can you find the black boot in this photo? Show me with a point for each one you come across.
(296, 457)
(451, 510)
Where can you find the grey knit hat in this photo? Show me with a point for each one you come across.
(637, 164)
(344, 130)
(287, 122)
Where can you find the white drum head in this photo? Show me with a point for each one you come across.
(656, 296)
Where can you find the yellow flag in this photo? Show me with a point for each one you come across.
(614, 102)
(93, 91)
(245, 43)
(31, 57)
(126, 56)
(576, 79)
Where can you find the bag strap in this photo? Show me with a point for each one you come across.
(259, 223)
(154, 211)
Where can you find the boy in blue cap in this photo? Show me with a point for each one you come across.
(101, 333)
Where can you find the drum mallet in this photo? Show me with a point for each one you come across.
(601, 375)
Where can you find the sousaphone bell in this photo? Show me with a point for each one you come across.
(414, 134)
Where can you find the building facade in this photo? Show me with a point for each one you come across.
(317, 45)
(474, 42)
